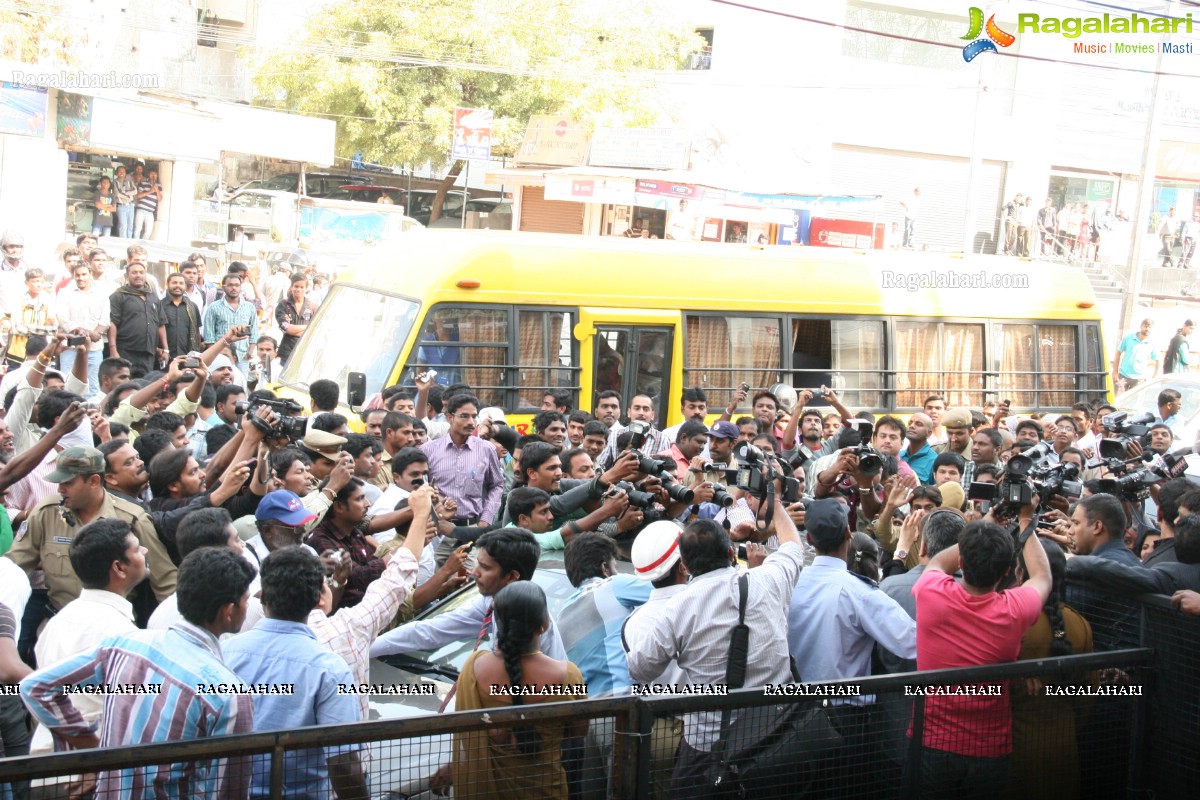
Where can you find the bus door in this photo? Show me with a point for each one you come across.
(628, 358)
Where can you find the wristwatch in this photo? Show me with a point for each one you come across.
(901, 554)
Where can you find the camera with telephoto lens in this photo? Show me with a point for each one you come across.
(287, 424)
(721, 494)
(751, 477)
(643, 501)
(664, 470)
(1120, 429)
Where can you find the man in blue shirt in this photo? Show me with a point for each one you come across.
(280, 653)
(1136, 358)
(919, 455)
(591, 621)
(834, 620)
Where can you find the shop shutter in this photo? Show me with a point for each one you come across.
(943, 182)
(539, 215)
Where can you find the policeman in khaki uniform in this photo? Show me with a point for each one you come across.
(53, 523)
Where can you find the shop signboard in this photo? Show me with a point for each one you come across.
(640, 148)
(1179, 160)
(74, 119)
(590, 189)
(23, 109)
(472, 136)
(1100, 191)
(553, 142)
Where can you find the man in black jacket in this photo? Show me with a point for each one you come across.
(1163, 578)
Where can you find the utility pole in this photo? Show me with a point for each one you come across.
(1145, 199)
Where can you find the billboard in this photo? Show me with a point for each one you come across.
(472, 135)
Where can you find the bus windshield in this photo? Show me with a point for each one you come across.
(355, 330)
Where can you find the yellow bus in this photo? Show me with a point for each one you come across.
(518, 315)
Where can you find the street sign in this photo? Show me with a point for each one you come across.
(472, 137)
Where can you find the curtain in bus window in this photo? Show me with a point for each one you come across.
(916, 362)
(1056, 366)
(708, 358)
(482, 364)
(1094, 382)
(1014, 363)
(755, 343)
(858, 362)
(962, 365)
(543, 335)
(724, 352)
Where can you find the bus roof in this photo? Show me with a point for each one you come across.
(555, 269)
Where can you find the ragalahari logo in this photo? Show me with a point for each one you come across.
(994, 37)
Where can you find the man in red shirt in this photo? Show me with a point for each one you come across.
(968, 736)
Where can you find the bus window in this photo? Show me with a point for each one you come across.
(467, 345)
(722, 352)
(610, 360)
(1056, 366)
(508, 366)
(859, 362)
(544, 356)
(1037, 364)
(939, 358)
(647, 349)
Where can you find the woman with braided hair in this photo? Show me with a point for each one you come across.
(523, 761)
(1045, 758)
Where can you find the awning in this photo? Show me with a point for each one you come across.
(522, 176)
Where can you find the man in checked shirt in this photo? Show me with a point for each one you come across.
(464, 467)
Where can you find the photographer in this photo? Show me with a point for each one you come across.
(541, 468)
(530, 509)
(641, 409)
(811, 425)
(690, 444)
(862, 484)
(721, 439)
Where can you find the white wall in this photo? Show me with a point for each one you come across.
(31, 194)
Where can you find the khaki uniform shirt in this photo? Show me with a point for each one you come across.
(47, 541)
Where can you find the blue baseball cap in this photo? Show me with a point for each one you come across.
(724, 429)
(285, 507)
(827, 522)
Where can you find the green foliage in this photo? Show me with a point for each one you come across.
(39, 33)
(391, 73)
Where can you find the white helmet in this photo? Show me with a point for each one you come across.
(12, 239)
(656, 549)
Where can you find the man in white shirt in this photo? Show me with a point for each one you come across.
(84, 311)
(655, 556)
(695, 627)
(110, 563)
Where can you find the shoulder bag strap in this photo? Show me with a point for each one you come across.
(735, 667)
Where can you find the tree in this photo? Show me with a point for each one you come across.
(391, 74)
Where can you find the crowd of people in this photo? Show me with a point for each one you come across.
(183, 543)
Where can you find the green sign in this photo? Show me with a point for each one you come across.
(1099, 190)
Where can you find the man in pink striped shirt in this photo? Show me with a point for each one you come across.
(464, 467)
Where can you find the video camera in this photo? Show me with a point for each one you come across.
(751, 477)
(1027, 474)
(1135, 486)
(1120, 430)
(287, 424)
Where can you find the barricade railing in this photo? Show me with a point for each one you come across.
(631, 745)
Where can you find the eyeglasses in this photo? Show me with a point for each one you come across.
(466, 416)
(295, 531)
